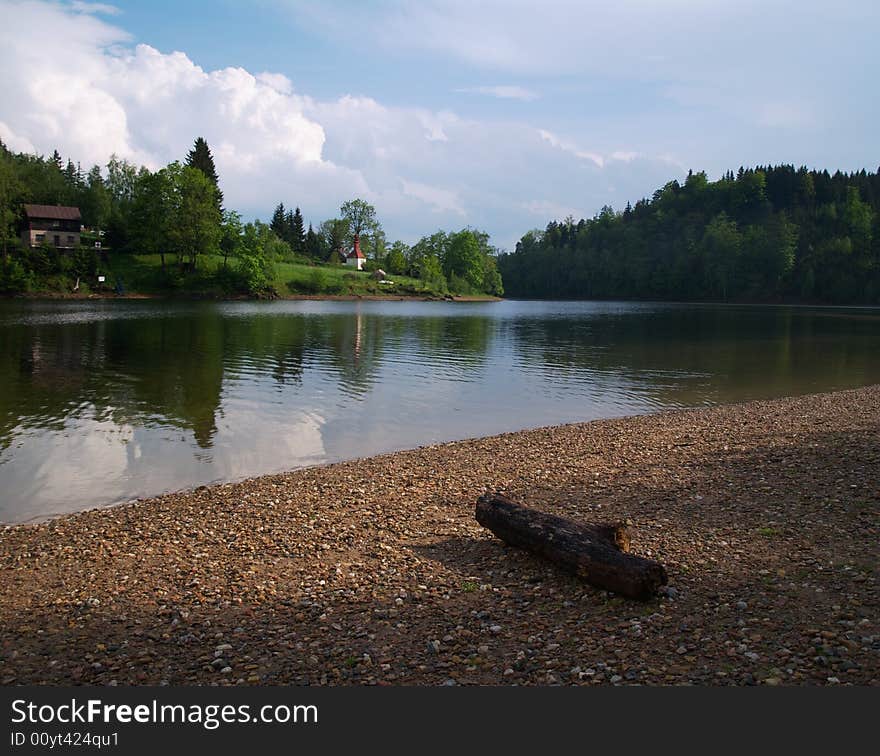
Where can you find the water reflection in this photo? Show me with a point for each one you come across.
(105, 401)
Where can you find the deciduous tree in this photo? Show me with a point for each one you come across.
(360, 215)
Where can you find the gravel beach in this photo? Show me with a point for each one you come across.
(376, 572)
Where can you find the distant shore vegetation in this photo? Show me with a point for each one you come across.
(768, 234)
(167, 232)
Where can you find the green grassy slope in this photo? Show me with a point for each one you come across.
(142, 274)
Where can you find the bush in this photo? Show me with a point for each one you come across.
(460, 285)
(334, 286)
(84, 263)
(408, 289)
(14, 277)
(45, 260)
(173, 278)
(277, 250)
(257, 273)
(395, 263)
(230, 280)
(57, 283)
(314, 283)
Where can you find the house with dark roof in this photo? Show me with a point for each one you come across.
(55, 225)
(356, 257)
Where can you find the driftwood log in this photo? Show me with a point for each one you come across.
(593, 553)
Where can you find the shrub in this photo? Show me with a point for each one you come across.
(230, 280)
(14, 277)
(315, 282)
(173, 278)
(334, 286)
(45, 260)
(277, 250)
(395, 262)
(256, 272)
(461, 285)
(84, 263)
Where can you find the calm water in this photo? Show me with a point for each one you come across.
(106, 401)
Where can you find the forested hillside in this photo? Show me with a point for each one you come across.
(167, 232)
(769, 234)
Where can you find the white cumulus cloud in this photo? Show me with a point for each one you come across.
(422, 168)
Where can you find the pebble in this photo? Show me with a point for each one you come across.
(357, 568)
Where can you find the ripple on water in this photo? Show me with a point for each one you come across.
(106, 401)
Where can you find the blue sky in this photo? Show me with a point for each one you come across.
(442, 113)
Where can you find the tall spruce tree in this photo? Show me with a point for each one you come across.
(200, 157)
(278, 220)
(96, 200)
(298, 233)
(312, 245)
(288, 228)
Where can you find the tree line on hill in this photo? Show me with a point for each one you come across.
(176, 215)
(175, 212)
(462, 261)
(767, 234)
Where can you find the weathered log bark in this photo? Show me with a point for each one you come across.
(594, 553)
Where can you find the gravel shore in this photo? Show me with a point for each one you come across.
(375, 571)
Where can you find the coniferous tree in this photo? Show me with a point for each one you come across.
(767, 234)
(278, 221)
(312, 245)
(70, 174)
(200, 157)
(288, 228)
(95, 205)
(10, 191)
(297, 233)
(333, 233)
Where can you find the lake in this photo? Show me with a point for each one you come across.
(105, 401)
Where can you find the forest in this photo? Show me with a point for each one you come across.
(168, 232)
(765, 234)
(774, 234)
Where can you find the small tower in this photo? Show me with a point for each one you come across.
(356, 258)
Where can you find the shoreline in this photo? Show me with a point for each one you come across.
(60, 296)
(63, 297)
(374, 571)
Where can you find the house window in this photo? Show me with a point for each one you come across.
(70, 240)
(40, 238)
